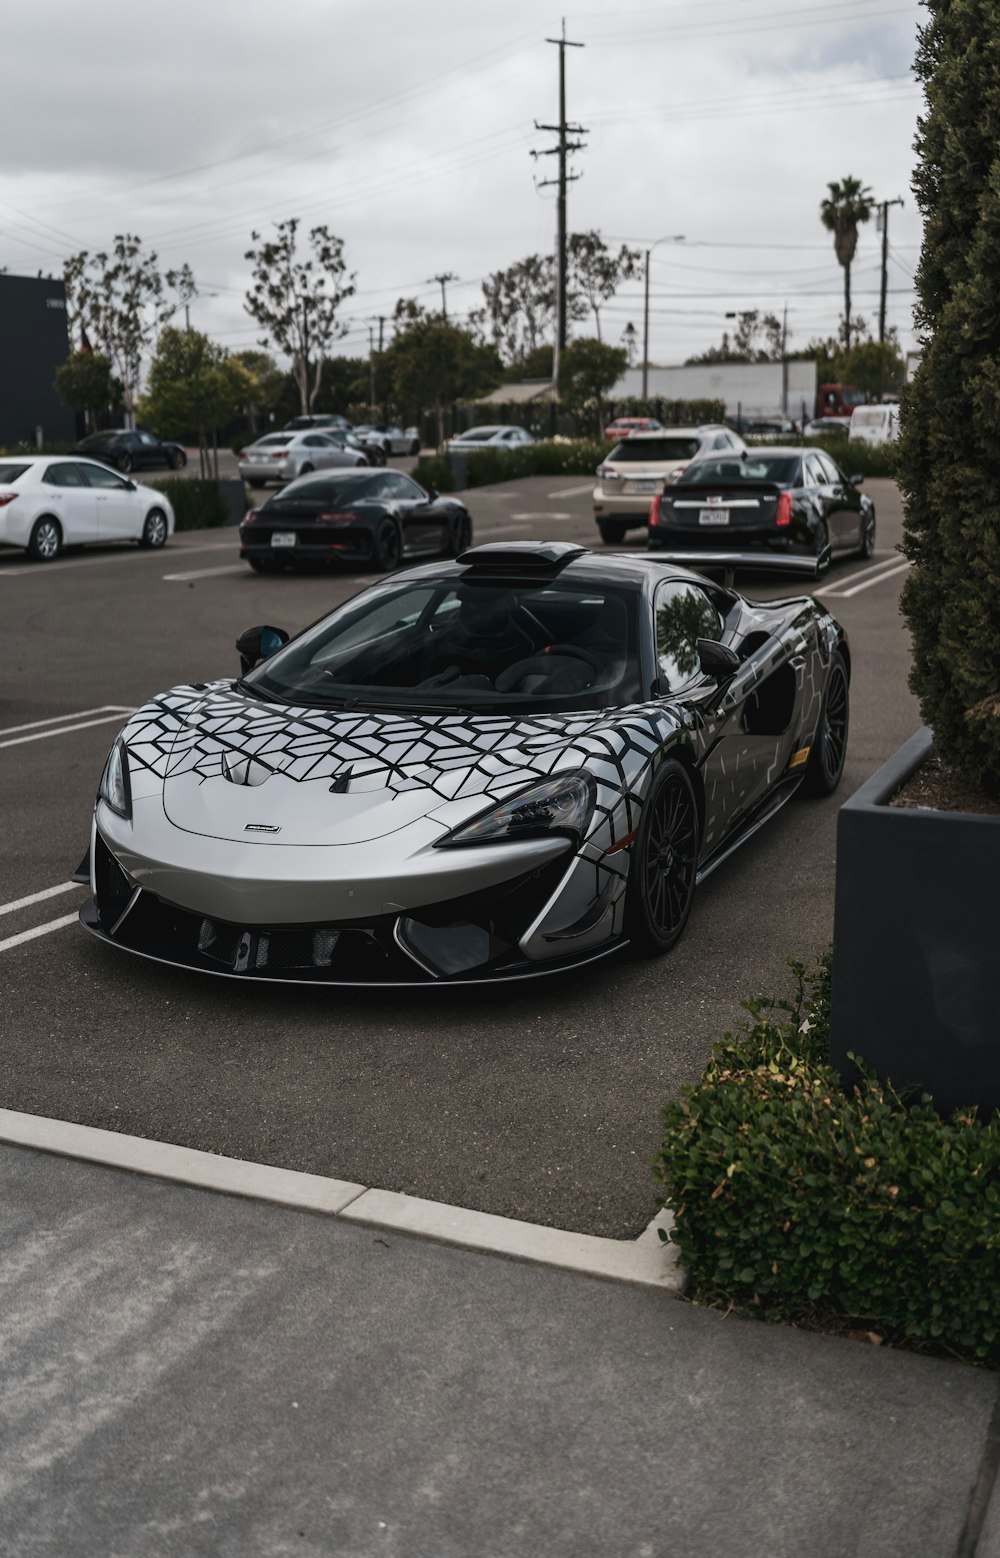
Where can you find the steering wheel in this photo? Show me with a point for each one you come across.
(578, 653)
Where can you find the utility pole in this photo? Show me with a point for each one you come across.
(371, 373)
(883, 227)
(784, 362)
(561, 150)
(443, 281)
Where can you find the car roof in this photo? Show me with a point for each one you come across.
(657, 433)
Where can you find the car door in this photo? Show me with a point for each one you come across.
(425, 522)
(119, 506)
(147, 451)
(845, 503)
(71, 500)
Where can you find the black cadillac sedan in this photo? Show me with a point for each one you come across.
(787, 499)
(371, 517)
(131, 450)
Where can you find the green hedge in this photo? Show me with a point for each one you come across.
(489, 467)
(798, 1199)
(855, 457)
(433, 470)
(197, 504)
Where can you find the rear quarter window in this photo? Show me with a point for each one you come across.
(11, 473)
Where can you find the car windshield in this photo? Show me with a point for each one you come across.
(273, 440)
(730, 471)
(653, 451)
(476, 645)
(478, 433)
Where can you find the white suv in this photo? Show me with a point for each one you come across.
(635, 470)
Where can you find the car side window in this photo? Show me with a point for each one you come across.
(314, 441)
(722, 442)
(131, 441)
(682, 613)
(395, 485)
(102, 476)
(812, 472)
(831, 475)
(147, 440)
(63, 475)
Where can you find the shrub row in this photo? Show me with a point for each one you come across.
(801, 1200)
(553, 457)
(855, 457)
(197, 504)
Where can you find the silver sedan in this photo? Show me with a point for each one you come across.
(284, 456)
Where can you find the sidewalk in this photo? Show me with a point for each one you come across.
(188, 1373)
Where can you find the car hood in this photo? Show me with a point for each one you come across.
(226, 765)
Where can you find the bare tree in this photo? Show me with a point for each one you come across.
(295, 300)
(596, 273)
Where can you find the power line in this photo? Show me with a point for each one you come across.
(561, 150)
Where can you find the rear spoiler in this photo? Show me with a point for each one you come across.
(732, 563)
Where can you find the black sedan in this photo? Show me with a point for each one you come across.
(372, 517)
(787, 499)
(131, 450)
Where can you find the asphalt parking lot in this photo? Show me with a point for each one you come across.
(538, 1101)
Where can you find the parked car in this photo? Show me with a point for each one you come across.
(344, 516)
(875, 424)
(507, 436)
(131, 450)
(624, 427)
(323, 421)
(637, 467)
(783, 498)
(47, 503)
(827, 427)
(776, 426)
(389, 437)
(506, 765)
(282, 457)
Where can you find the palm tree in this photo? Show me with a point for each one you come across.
(848, 205)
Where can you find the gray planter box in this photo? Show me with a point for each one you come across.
(916, 968)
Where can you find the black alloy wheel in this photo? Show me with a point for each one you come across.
(154, 531)
(664, 862)
(461, 535)
(387, 546)
(612, 531)
(45, 542)
(176, 459)
(867, 547)
(124, 462)
(829, 750)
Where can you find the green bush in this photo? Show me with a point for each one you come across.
(855, 457)
(553, 457)
(802, 1200)
(197, 504)
(433, 470)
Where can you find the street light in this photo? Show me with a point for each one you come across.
(671, 238)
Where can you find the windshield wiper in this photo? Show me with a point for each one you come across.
(254, 691)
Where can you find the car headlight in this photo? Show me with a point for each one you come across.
(115, 787)
(562, 805)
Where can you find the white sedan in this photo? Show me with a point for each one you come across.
(498, 437)
(48, 502)
(287, 455)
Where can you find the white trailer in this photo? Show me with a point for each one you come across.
(749, 389)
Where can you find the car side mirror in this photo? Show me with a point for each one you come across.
(717, 659)
(256, 644)
(432, 494)
(130, 485)
(856, 481)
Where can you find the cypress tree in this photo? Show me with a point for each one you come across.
(950, 443)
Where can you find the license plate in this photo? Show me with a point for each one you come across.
(642, 486)
(713, 517)
(284, 538)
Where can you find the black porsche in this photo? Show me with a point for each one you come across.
(787, 499)
(131, 450)
(371, 517)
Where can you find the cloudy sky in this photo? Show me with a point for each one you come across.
(407, 129)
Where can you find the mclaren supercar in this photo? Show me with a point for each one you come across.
(487, 768)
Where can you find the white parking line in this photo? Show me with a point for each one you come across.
(206, 573)
(39, 930)
(47, 892)
(36, 571)
(61, 719)
(571, 492)
(891, 573)
(547, 515)
(65, 730)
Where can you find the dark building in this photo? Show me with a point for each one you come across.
(34, 342)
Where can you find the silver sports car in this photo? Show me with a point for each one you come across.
(487, 768)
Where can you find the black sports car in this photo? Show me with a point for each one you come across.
(785, 498)
(487, 768)
(373, 517)
(131, 450)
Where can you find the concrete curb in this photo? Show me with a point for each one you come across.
(645, 1262)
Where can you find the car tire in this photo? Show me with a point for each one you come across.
(821, 538)
(306, 470)
(124, 463)
(664, 865)
(177, 459)
(829, 749)
(867, 547)
(46, 540)
(387, 546)
(612, 531)
(461, 535)
(154, 531)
